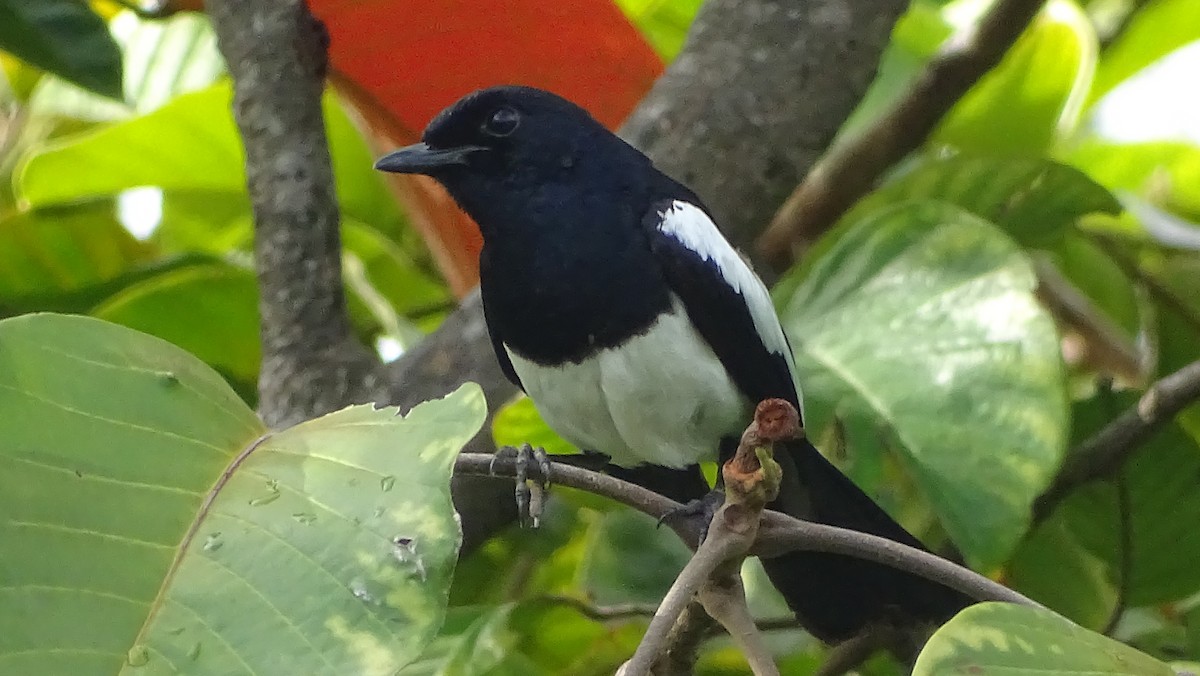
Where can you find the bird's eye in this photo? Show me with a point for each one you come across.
(502, 122)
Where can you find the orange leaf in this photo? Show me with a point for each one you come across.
(401, 61)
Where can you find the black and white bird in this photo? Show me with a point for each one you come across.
(639, 332)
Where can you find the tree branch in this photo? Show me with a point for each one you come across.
(1106, 452)
(779, 532)
(853, 167)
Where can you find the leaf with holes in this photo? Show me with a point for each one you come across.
(918, 329)
(149, 522)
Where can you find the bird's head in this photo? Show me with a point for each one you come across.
(507, 143)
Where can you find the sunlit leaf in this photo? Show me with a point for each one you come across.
(161, 58)
(664, 22)
(190, 145)
(994, 639)
(1035, 94)
(1164, 172)
(920, 327)
(1156, 29)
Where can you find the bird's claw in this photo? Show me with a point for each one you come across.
(530, 494)
(700, 510)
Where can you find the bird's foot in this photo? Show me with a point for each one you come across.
(530, 494)
(700, 512)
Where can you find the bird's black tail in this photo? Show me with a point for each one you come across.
(836, 596)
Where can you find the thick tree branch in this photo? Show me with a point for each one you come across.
(1106, 452)
(853, 167)
(312, 363)
(779, 532)
(757, 95)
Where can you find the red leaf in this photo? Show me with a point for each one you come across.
(401, 61)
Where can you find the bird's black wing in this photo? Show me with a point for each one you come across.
(724, 299)
(835, 596)
(493, 329)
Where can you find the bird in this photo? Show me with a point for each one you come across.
(639, 332)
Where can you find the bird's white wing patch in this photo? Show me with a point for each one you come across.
(691, 227)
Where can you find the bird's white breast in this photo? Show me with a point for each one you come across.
(661, 397)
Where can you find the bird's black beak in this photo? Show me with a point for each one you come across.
(419, 158)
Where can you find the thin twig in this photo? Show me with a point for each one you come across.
(1105, 452)
(1168, 298)
(1124, 554)
(852, 168)
(619, 611)
(1106, 348)
(779, 533)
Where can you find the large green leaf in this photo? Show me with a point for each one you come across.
(994, 639)
(919, 329)
(64, 37)
(210, 310)
(1035, 94)
(1155, 30)
(148, 522)
(191, 145)
(1033, 199)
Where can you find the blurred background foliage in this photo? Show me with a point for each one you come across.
(1001, 296)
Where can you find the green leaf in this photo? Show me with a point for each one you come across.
(145, 525)
(1035, 94)
(1158, 28)
(1164, 506)
(919, 328)
(1033, 199)
(191, 145)
(1164, 172)
(993, 639)
(664, 23)
(209, 310)
(629, 559)
(64, 37)
(472, 641)
(1052, 567)
(57, 250)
